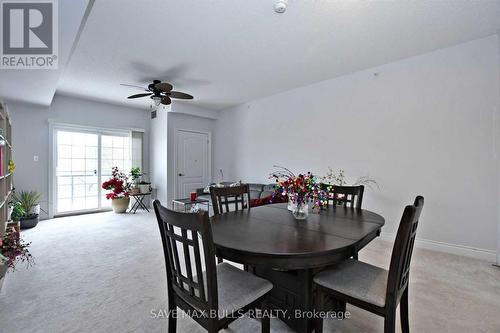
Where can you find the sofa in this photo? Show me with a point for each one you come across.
(260, 194)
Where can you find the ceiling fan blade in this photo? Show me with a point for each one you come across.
(140, 95)
(163, 86)
(166, 100)
(133, 86)
(179, 95)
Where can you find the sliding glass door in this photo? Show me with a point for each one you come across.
(83, 160)
(115, 151)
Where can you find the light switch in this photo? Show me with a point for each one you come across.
(35, 158)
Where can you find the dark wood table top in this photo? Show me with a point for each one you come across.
(271, 236)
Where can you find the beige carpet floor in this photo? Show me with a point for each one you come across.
(105, 273)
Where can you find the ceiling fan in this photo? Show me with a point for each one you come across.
(159, 92)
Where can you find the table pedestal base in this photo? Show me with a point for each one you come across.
(293, 295)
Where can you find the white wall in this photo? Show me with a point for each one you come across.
(30, 129)
(423, 125)
(163, 140)
(158, 153)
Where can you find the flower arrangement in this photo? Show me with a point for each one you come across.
(300, 188)
(13, 249)
(118, 184)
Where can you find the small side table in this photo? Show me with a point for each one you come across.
(187, 203)
(139, 202)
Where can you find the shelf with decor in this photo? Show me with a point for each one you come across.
(6, 184)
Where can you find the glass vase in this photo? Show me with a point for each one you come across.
(300, 210)
(291, 203)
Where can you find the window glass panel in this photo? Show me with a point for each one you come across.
(90, 152)
(64, 164)
(78, 152)
(118, 141)
(107, 153)
(63, 137)
(78, 166)
(118, 154)
(79, 191)
(91, 202)
(64, 205)
(91, 140)
(78, 139)
(62, 180)
(90, 166)
(106, 141)
(64, 191)
(64, 151)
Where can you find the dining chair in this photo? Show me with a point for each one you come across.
(213, 295)
(347, 196)
(230, 198)
(370, 287)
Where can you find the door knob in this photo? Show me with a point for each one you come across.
(181, 174)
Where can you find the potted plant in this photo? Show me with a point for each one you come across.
(27, 202)
(17, 211)
(12, 250)
(135, 174)
(119, 186)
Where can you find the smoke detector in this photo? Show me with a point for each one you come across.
(280, 6)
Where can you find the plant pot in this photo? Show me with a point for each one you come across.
(3, 271)
(120, 205)
(35, 210)
(144, 188)
(29, 222)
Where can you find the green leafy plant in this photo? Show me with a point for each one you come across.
(17, 212)
(14, 249)
(135, 173)
(27, 200)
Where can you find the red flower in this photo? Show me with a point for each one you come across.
(118, 184)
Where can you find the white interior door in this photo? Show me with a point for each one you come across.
(192, 162)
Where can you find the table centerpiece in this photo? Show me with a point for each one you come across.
(302, 189)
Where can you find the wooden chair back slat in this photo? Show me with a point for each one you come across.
(199, 270)
(192, 288)
(223, 197)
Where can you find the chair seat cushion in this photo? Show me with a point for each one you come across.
(237, 288)
(356, 279)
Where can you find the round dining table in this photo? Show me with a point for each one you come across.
(288, 252)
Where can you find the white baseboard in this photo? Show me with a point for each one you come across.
(461, 250)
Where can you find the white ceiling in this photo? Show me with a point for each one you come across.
(229, 52)
(39, 85)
